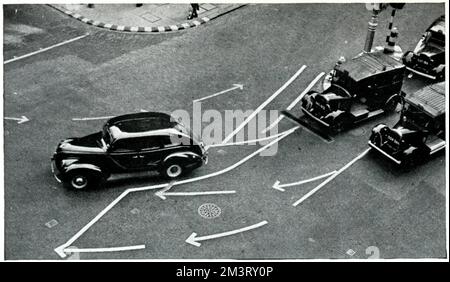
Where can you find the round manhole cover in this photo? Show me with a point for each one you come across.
(209, 210)
(358, 132)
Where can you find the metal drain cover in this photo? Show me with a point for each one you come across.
(209, 210)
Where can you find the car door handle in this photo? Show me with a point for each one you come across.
(137, 157)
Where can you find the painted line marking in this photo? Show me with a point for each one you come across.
(244, 142)
(92, 118)
(101, 250)
(298, 99)
(60, 250)
(45, 49)
(279, 187)
(19, 120)
(330, 178)
(235, 86)
(265, 103)
(52, 223)
(194, 240)
(286, 133)
(163, 195)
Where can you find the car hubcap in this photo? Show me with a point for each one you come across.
(79, 182)
(174, 171)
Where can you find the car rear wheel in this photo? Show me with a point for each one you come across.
(172, 170)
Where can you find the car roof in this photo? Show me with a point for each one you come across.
(430, 98)
(117, 134)
(369, 64)
(141, 124)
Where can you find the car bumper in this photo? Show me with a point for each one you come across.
(421, 73)
(384, 153)
(55, 171)
(314, 117)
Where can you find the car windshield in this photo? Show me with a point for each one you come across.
(416, 118)
(106, 135)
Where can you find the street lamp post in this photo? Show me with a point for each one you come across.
(373, 23)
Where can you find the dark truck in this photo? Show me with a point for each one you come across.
(127, 143)
(419, 133)
(428, 58)
(361, 88)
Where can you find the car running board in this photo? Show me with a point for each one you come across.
(371, 115)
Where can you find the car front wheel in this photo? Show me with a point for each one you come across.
(83, 179)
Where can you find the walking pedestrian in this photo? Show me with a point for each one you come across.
(193, 11)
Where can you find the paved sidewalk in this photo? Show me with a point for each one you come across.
(146, 18)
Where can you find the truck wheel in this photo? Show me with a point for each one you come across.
(172, 170)
(340, 123)
(83, 179)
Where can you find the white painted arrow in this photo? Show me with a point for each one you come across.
(194, 240)
(235, 86)
(92, 118)
(19, 120)
(162, 194)
(277, 185)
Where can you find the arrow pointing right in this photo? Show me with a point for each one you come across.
(194, 240)
(19, 120)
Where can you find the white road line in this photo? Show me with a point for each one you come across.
(277, 185)
(101, 250)
(286, 133)
(235, 86)
(245, 142)
(298, 99)
(45, 49)
(330, 178)
(60, 250)
(193, 240)
(274, 95)
(163, 195)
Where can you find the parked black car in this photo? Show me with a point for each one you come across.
(428, 58)
(419, 133)
(133, 142)
(364, 87)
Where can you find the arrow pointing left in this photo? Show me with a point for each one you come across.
(194, 240)
(19, 120)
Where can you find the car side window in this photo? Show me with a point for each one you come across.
(175, 140)
(123, 145)
(150, 143)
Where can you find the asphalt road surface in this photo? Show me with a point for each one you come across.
(370, 210)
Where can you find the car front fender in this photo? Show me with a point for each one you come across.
(75, 166)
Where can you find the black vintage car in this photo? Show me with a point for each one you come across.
(364, 87)
(419, 133)
(133, 142)
(428, 58)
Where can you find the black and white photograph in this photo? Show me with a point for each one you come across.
(224, 131)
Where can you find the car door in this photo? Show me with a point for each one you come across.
(152, 152)
(127, 154)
